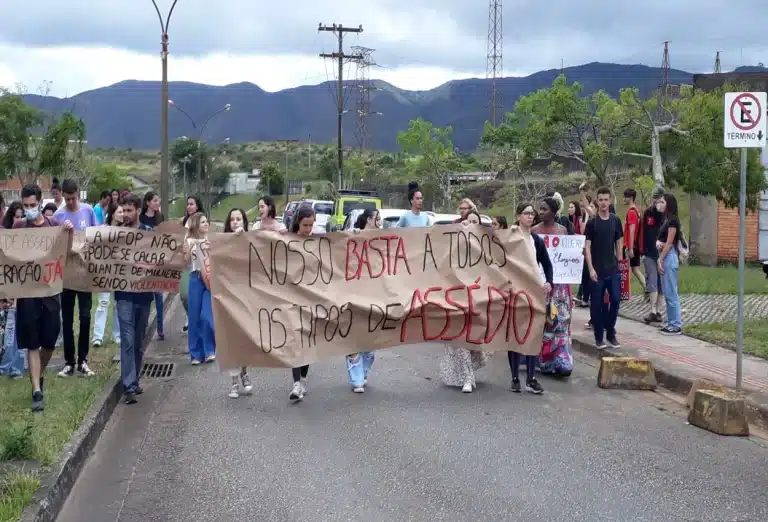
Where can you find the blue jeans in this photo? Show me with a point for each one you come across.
(604, 317)
(134, 319)
(159, 312)
(201, 340)
(14, 362)
(358, 366)
(669, 287)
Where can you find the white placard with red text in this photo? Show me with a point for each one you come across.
(567, 256)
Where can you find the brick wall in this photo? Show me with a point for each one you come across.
(728, 234)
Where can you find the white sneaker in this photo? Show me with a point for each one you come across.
(234, 391)
(210, 358)
(85, 371)
(297, 393)
(304, 387)
(358, 389)
(467, 387)
(97, 343)
(67, 371)
(247, 386)
(195, 362)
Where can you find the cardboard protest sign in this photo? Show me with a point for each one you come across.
(32, 261)
(567, 256)
(286, 300)
(109, 259)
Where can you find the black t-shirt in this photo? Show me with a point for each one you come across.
(603, 234)
(151, 221)
(670, 222)
(652, 221)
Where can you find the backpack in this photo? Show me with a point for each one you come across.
(683, 252)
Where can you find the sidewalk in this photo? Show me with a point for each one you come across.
(679, 360)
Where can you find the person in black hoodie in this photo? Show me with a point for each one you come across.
(525, 215)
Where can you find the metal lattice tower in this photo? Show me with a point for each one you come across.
(364, 86)
(717, 63)
(665, 69)
(494, 62)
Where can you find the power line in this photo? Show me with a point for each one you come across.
(494, 64)
(340, 56)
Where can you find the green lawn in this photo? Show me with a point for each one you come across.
(243, 201)
(40, 437)
(715, 280)
(724, 334)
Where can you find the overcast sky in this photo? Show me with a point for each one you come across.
(84, 44)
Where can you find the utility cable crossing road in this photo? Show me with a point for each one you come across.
(410, 449)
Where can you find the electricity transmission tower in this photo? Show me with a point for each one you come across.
(364, 87)
(494, 65)
(717, 63)
(339, 31)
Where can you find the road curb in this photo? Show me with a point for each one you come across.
(757, 414)
(56, 484)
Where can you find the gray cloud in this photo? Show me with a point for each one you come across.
(440, 33)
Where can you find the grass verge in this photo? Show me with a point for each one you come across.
(724, 334)
(16, 491)
(243, 201)
(723, 279)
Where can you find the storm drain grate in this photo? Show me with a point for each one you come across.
(157, 370)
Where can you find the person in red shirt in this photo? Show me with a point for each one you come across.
(632, 236)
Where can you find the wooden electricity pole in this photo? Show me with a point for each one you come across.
(339, 31)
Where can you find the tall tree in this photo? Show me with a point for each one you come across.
(433, 157)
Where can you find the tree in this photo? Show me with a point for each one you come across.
(560, 122)
(272, 180)
(186, 150)
(17, 119)
(433, 156)
(107, 176)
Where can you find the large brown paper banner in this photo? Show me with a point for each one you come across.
(285, 300)
(109, 259)
(32, 261)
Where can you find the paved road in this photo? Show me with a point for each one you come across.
(410, 449)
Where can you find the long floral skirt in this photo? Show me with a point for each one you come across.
(458, 365)
(556, 357)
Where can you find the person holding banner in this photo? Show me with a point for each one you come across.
(268, 215)
(237, 222)
(151, 217)
(359, 364)
(201, 340)
(302, 224)
(458, 366)
(133, 314)
(34, 312)
(525, 217)
(194, 205)
(555, 358)
(113, 218)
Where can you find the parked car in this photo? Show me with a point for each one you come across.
(447, 219)
(349, 200)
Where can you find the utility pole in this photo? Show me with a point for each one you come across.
(309, 153)
(494, 65)
(339, 31)
(287, 145)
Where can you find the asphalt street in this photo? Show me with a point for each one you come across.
(410, 449)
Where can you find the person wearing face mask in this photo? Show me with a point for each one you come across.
(458, 365)
(649, 233)
(237, 223)
(359, 364)
(39, 318)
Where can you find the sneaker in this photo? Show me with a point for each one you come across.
(160, 336)
(467, 387)
(195, 362)
(601, 345)
(358, 389)
(37, 401)
(649, 318)
(303, 386)
(84, 370)
(247, 386)
(130, 398)
(588, 326)
(671, 330)
(210, 358)
(185, 328)
(297, 393)
(234, 391)
(533, 386)
(97, 343)
(613, 341)
(67, 371)
(139, 390)
(516, 385)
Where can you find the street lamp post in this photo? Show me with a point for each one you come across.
(164, 196)
(226, 108)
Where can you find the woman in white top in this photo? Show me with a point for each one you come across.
(194, 205)
(201, 340)
(268, 215)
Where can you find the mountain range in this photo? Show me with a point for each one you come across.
(127, 114)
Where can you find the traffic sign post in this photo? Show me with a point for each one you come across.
(744, 127)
